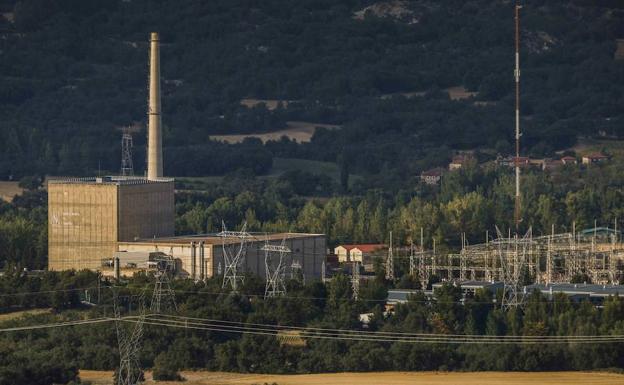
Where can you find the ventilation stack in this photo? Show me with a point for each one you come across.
(154, 149)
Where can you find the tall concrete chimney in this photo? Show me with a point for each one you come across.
(154, 146)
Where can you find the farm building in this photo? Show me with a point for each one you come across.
(594, 158)
(358, 252)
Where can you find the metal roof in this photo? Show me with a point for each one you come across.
(108, 180)
(591, 290)
(212, 239)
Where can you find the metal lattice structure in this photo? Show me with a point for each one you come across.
(545, 259)
(127, 167)
(163, 297)
(129, 372)
(233, 254)
(514, 255)
(275, 267)
(390, 262)
(355, 280)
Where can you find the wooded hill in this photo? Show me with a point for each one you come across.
(72, 72)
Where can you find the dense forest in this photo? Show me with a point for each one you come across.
(54, 355)
(73, 72)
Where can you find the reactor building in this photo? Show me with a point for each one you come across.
(94, 221)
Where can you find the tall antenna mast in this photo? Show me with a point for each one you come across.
(517, 218)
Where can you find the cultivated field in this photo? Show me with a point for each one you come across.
(270, 104)
(299, 131)
(8, 190)
(384, 378)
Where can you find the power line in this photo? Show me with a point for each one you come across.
(330, 333)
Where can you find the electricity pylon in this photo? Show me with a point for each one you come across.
(355, 280)
(275, 267)
(163, 297)
(127, 168)
(513, 252)
(129, 372)
(390, 262)
(233, 255)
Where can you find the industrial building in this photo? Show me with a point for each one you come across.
(87, 217)
(94, 222)
(201, 256)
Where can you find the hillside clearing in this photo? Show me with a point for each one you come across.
(589, 146)
(459, 93)
(280, 166)
(270, 104)
(385, 378)
(8, 190)
(301, 132)
(23, 313)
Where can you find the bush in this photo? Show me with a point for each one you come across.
(165, 369)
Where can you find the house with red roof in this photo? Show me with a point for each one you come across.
(358, 252)
(431, 177)
(594, 158)
(568, 160)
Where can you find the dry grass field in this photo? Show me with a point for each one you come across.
(8, 190)
(383, 378)
(22, 313)
(270, 104)
(459, 93)
(299, 131)
(619, 51)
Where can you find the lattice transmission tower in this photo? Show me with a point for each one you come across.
(355, 280)
(234, 252)
(390, 262)
(275, 267)
(129, 372)
(127, 167)
(513, 252)
(163, 297)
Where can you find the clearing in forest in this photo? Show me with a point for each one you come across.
(8, 190)
(298, 131)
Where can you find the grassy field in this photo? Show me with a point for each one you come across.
(22, 313)
(270, 104)
(588, 146)
(384, 378)
(9, 189)
(280, 166)
(299, 131)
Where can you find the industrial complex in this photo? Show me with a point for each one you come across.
(121, 224)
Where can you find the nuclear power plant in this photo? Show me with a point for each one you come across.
(121, 224)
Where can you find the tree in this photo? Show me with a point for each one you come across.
(165, 369)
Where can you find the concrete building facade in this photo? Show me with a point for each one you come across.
(87, 217)
(201, 256)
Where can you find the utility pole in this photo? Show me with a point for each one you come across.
(517, 218)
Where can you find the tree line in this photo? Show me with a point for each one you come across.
(314, 304)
